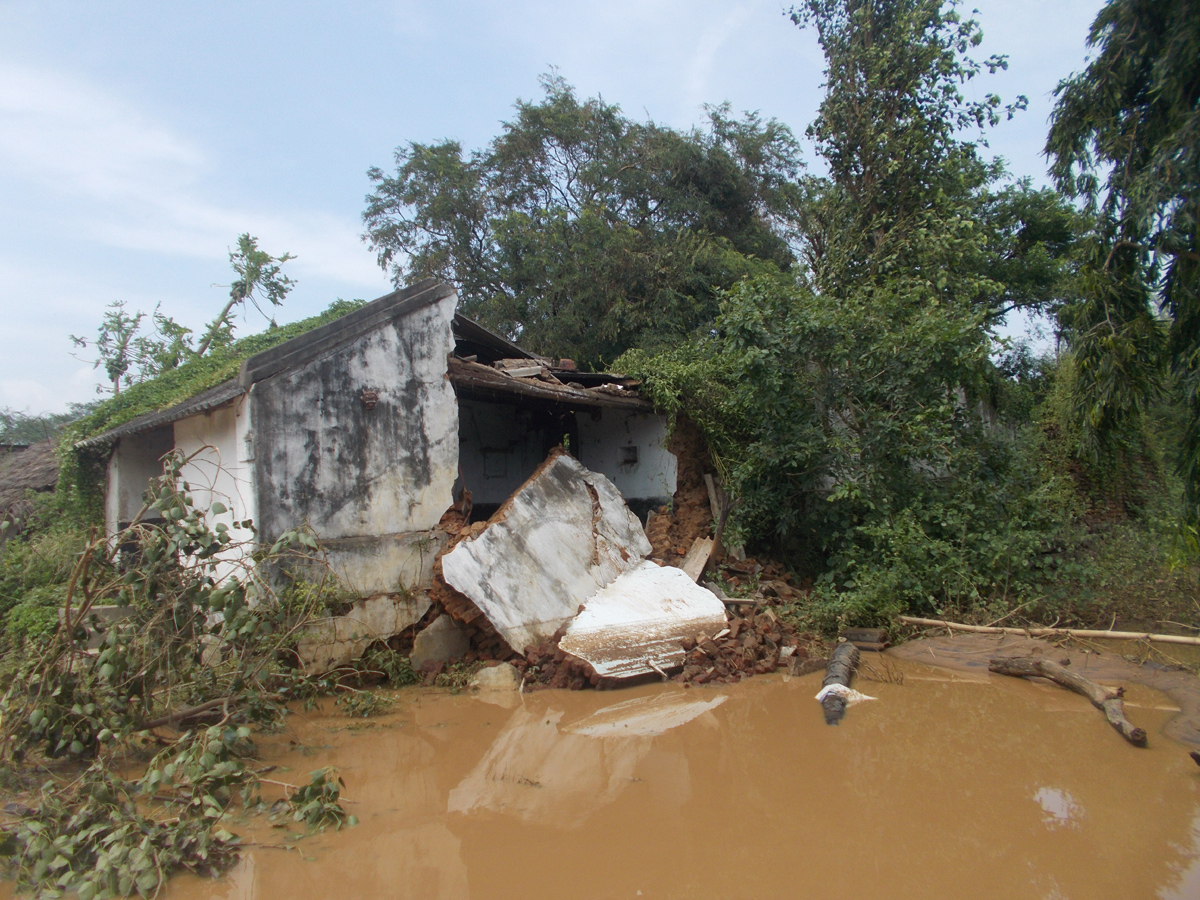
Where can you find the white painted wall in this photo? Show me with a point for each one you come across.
(604, 442)
(135, 461)
(221, 467)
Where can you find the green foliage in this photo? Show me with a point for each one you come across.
(201, 771)
(1123, 137)
(457, 676)
(584, 233)
(881, 475)
(35, 567)
(363, 704)
(851, 407)
(18, 427)
(395, 667)
(318, 803)
(93, 840)
(259, 277)
(115, 344)
(59, 701)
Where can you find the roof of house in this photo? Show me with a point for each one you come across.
(34, 468)
(473, 373)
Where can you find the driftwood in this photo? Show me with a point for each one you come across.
(840, 670)
(1055, 632)
(1107, 700)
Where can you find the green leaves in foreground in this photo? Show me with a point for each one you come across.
(94, 841)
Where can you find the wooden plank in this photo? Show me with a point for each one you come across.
(697, 557)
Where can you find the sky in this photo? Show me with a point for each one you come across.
(137, 140)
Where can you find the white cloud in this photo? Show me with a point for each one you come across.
(133, 184)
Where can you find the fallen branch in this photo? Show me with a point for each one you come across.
(1055, 632)
(187, 712)
(1104, 699)
(840, 670)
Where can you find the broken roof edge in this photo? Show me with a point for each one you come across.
(470, 331)
(485, 383)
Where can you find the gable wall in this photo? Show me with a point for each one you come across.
(372, 483)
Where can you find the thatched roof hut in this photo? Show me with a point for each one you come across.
(24, 469)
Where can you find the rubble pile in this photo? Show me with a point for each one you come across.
(563, 582)
(672, 530)
(754, 645)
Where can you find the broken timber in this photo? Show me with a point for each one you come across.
(1108, 701)
(1090, 634)
(840, 670)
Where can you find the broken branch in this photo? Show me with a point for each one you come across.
(1054, 632)
(1106, 700)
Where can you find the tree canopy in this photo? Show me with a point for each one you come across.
(583, 233)
(1125, 138)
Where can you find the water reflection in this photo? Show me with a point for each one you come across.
(1060, 807)
(537, 771)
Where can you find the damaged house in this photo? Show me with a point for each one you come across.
(385, 431)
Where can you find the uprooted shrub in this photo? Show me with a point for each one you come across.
(204, 639)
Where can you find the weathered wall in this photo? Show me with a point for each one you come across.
(608, 442)
(222, 467)
(134, 462)
(500, 445)
(366, 480)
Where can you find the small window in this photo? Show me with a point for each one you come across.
(495, 464)
(629, 456)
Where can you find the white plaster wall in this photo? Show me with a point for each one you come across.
(351, 472)
(135, 461)
(220, 469)
(601, 442)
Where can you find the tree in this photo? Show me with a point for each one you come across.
(1125, 137)
(129, 356)
(116, 345)
(584, 233)
(843, 400)
(258, 278)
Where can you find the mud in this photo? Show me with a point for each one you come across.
(953, 783)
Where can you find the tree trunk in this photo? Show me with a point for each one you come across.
(840, 670)
(1107, 701)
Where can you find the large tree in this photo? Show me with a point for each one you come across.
(582, 232)
(843, 402)
(1125, 137)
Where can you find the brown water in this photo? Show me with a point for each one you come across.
(950, 785)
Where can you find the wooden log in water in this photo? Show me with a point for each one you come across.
(1107, 700)
(840, 670)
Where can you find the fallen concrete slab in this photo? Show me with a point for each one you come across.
(561, 537)
(634, 625)
(339, 640)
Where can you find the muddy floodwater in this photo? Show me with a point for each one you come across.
(950, 785)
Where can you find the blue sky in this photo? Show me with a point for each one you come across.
(137, 140)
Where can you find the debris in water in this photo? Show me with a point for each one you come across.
(848, 694)
(840, 671)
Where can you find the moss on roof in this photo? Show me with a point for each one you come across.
(196, 375)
